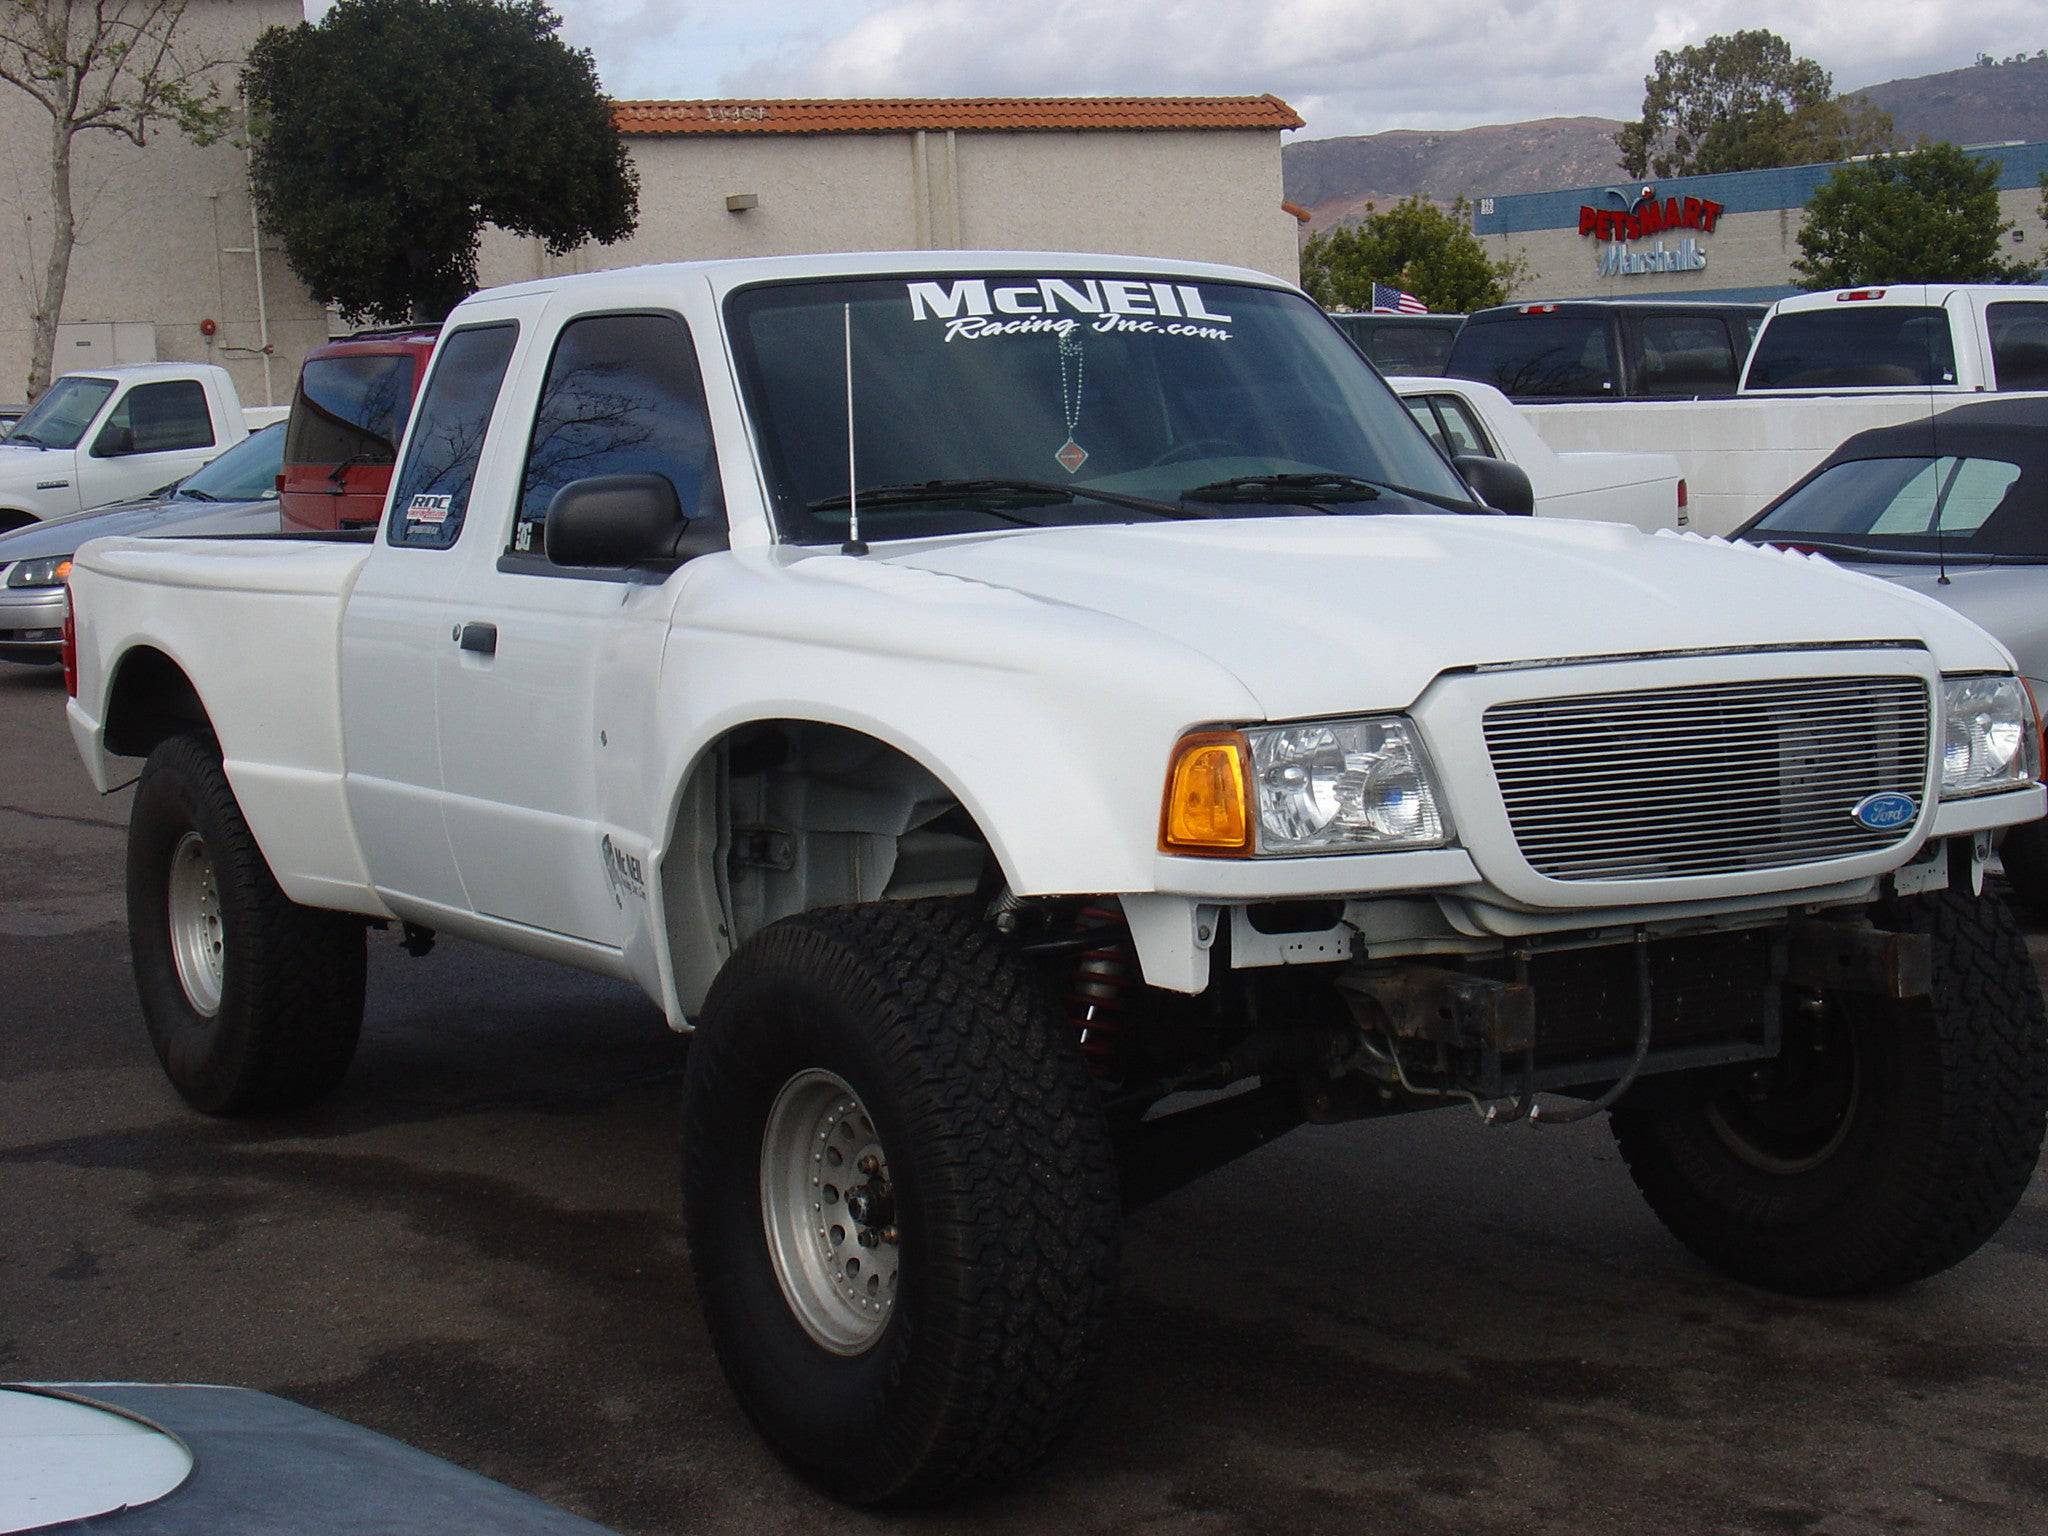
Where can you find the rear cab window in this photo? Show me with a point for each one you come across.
(1855, 346)
(1566, 354)
(431, 497)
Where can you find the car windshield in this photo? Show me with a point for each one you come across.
(1089, 398)
(246, 472)
(1918, 506)
(60, 417)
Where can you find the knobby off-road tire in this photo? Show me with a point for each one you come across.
(1888, 1142)
(253, 1003)
(904, 1036)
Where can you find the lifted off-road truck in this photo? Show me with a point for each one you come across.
(1050, 724)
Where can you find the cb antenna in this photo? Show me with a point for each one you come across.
(855, 544)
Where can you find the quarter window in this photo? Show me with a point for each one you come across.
(1684, 355)
(431, 498)
(157, 418)
(622, 397)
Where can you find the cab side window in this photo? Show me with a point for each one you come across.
(431, 496)
(157, 418)
(2019, 345)
(622, 397)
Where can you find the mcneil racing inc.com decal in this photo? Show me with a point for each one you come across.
(974, 308)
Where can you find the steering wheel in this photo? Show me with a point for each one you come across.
(1197, 448)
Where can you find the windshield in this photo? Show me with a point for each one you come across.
(246, 472)
(60, 418)
(1920, 505)
(1086, 386)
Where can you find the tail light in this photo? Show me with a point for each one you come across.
(1539, 309)
(1854, 294)
(1683, 517)
(69, 648)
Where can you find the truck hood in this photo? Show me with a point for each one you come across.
(1317, 615)
(19, 463)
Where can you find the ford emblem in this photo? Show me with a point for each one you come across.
(1883, 811)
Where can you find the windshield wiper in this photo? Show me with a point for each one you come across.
(991, 494)
(27, 437)
(192, 495)
(1293, 490)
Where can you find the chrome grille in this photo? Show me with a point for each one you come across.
(1675, 782)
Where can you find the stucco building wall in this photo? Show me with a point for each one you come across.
(163, 237)
(1208, 195)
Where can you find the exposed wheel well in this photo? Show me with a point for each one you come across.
(783, 816)
(10, 519)
(152, 700)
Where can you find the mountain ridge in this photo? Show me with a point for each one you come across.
(1335, 178)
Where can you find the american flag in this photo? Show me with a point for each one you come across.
(1392, 301)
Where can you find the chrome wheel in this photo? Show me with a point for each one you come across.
(198, 941)
(829, 1210)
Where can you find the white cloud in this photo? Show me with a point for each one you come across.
(1348, 66)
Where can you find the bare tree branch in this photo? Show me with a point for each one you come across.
(113, 67)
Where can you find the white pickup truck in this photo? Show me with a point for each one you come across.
(1824, 367)
(113, 434)
(990, 697)
(1464, 416)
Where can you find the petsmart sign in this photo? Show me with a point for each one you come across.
(1641, 215)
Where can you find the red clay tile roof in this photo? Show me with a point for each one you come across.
(993, 114)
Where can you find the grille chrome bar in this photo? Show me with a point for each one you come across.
(1671, 783)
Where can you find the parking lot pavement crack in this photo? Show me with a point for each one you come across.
(76, 821)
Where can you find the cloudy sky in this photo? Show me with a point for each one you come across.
(1348, 66)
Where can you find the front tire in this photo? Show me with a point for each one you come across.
(253, 1003)
(901, 1205)
(1887, 1142)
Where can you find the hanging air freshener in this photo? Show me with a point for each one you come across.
(1071, 455)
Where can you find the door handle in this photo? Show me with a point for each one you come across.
(480, 638)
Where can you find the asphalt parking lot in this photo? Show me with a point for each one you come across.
(1422, 1326)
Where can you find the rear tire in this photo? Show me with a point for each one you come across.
(252, 1002)
(974, 1186)
(1887, 1142)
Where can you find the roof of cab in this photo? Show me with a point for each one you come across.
(1922, 294)
(728, 274)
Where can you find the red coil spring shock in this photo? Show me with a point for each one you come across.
(1097, 991)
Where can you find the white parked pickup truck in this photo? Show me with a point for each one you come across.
(1464, 416)
(990, 697)
(1824, 367)
(113, 434)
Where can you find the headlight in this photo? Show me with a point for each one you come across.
(53, 572)
(1990, 739)
(1343, 786)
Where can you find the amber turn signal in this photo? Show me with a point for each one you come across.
(1207, 806)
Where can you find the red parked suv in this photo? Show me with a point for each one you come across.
(350, 411)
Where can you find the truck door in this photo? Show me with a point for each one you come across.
(399, 620)
(547, 719)
(156, 434)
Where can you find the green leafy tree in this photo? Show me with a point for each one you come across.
(391, 132)
(1742, 101)
(1414, 246)
(115, 67)
(1926, 216)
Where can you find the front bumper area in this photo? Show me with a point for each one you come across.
(31, 624)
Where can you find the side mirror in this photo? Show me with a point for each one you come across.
(614, 520)
(1503, 486)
